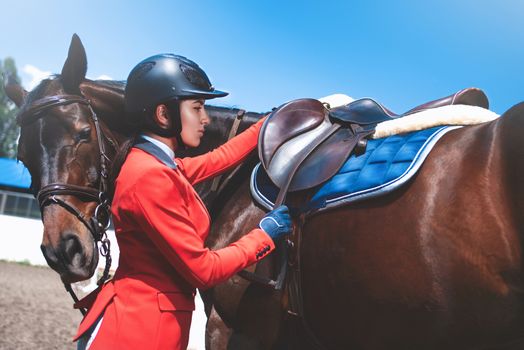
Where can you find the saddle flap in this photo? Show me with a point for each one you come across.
(325, 161)
(286, 122)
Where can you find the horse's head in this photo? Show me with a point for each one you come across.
(68, 151)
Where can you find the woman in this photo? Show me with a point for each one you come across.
(160, 221)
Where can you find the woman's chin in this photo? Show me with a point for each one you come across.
(192, 143)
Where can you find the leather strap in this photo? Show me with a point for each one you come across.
(32, 113)
(232, 133)
(66, 189)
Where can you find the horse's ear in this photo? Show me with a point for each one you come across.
(14, 91)
(75, 66)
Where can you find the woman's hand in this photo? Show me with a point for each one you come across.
(277, 223)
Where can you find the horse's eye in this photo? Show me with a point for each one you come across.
(84, 134)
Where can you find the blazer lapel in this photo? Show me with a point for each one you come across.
(155, 151)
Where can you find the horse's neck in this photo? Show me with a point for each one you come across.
(117, 144)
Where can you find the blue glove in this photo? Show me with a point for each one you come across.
(277, 223)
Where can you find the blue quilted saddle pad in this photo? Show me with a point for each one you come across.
(387, 164)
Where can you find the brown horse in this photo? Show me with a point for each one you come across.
(60, 146)
(435, 265)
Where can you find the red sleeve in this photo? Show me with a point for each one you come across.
(162, 213)
(227, 156)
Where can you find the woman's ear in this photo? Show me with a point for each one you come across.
(162, 116)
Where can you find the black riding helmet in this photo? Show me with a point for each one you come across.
(164, 78)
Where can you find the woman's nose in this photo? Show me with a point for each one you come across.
(205, 119)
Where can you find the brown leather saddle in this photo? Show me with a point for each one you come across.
(304, 143)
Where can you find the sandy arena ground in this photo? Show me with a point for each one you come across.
(35, 310)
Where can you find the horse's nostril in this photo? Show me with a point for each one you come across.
(73, 252)
(49, 255)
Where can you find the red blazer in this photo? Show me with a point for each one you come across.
(161, 224)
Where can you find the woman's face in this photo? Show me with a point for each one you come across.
(194, 118)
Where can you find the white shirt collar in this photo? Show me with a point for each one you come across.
(160, 145)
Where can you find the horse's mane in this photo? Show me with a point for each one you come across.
(251, 117)
(115, 85)
(39, 89)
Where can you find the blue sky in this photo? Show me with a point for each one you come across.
(264, 53)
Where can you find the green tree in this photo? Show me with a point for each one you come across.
(9, 131)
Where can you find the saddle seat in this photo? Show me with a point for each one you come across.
(367, 111)
(303, 144)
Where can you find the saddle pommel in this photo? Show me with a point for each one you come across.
(287, 121)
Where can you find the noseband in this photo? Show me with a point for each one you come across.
(50, 194)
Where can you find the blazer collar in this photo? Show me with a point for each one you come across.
(155, 151)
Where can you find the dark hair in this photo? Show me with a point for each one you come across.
(148, 122)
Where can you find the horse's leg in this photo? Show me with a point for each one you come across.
(253, 311)
(219, 336)
(217, 332)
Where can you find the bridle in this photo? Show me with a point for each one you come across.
(50, 194)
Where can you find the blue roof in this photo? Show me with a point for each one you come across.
(14, 174)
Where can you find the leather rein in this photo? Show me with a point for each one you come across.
(98, 223)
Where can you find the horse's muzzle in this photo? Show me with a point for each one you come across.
(71, 259)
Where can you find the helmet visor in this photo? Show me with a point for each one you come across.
(207, 95)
